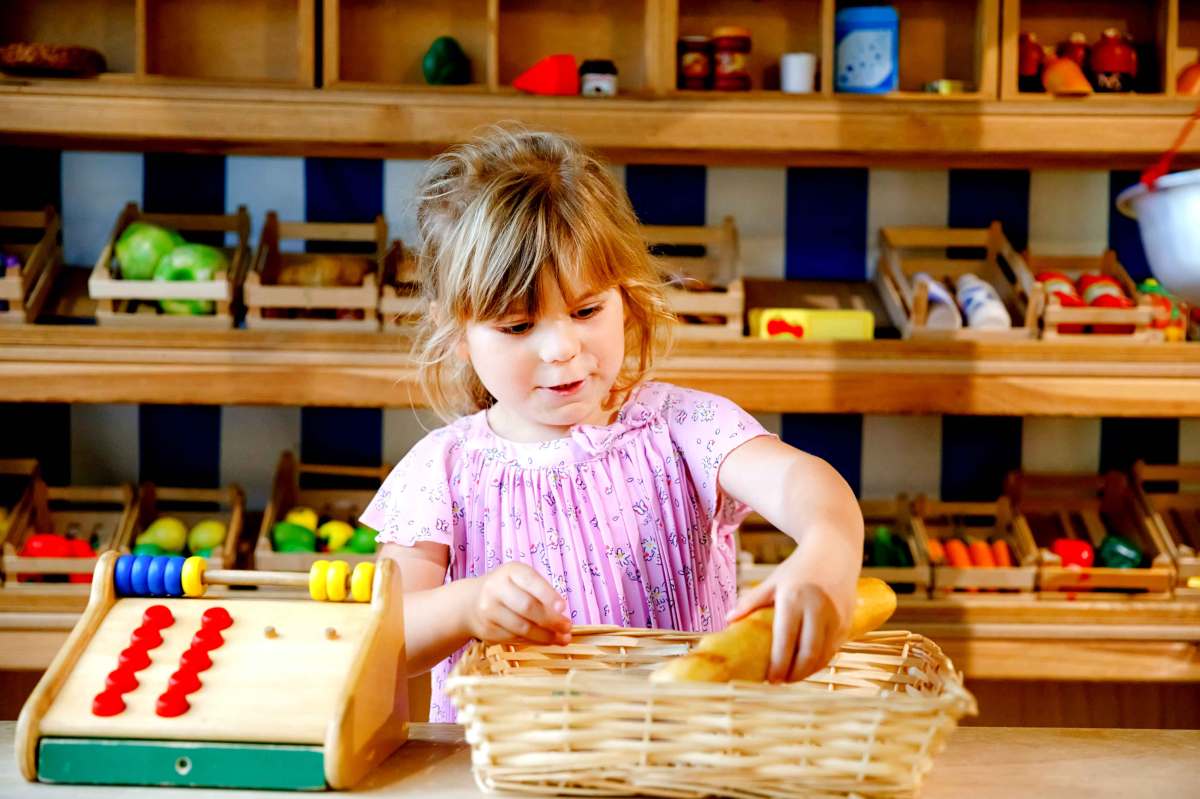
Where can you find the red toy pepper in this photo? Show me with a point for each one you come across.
(1074, 552)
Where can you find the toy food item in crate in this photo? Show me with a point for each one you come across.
(975, 546)
(890, 552)
(1089, 296)
(303, 525)
(334, 289)
(1170, 498)
(156, 270)
(624, 712)
(933, 291)
(65, 530)
(30, 257)
(811, 324)
(190, 521)
(705, 289)
(1093, 535)
(400, 303)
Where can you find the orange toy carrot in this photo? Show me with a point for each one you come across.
(956, 553)
(1001, 553)
(981, 554)
(937, 555)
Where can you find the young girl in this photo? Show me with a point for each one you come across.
(568, 489)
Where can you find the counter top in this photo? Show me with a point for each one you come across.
(980, 762)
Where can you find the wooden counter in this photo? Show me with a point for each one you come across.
(980, 762)
(45, 363)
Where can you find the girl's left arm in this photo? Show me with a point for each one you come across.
(813, 591)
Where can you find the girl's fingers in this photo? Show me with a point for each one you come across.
(783, 640)
(530, 609)
(517, 627)
(542, 604)
(755, 598)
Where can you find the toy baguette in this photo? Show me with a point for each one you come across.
(742, 651)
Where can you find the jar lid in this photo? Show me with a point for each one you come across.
(695, 39)
(731, 31)
(869, 15)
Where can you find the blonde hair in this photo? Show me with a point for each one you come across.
(494, 214)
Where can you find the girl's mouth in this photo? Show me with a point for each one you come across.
(566, 389)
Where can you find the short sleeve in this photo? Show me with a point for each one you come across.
(705, 428)
(418, 501)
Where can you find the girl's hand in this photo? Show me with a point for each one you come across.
(514, 603)
(812, 618)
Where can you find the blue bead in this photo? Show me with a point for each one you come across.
(154, 576)
(121, 575)
(137, 575)
(173, 576)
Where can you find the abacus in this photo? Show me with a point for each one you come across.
(163, 683)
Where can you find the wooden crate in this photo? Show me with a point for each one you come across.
(906, 251)
(1170, 498)
(193, 505)
(761, 547)
(25, 287)
(1088, 507)
(134, 303)
(706, 290)
(985, 521)
(400, 301)
(1138, 319)
(346, 504)
(272, 306)
(17, 476)
(104, 514)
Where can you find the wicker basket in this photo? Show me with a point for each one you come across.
(584, 720)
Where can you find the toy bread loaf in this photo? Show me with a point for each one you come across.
(742, 651)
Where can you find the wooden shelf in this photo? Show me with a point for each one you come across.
(86, 364)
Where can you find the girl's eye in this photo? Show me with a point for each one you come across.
(516, 329)
(591, 310)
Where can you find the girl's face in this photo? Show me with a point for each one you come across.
(550, 372)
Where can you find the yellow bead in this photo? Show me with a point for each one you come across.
(317, 578)
(335, 581)
(192, 576)
(360, 581)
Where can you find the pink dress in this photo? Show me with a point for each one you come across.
(626, 521)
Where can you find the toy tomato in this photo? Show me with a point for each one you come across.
(1073, 552)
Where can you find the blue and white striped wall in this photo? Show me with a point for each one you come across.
(794, 222)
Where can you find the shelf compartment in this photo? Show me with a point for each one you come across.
(108, 26)
(380, 44)
(235, 41)
(1149, 22)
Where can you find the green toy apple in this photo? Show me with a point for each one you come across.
(206, 535)
(166, 532)
(141, 247)
(190, 262)
(290, 537)
(362, 542)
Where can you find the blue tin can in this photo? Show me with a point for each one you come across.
(868, 50)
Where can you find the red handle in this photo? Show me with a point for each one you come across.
(1163, 165)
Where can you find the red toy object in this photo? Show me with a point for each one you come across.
(46, 545)
(146, 637)
(195, 660)
(158, 616)
(134, 658)
(80, 549)
(184, 681)
(108, 703)
(1114, 62)
(1060, 286)
(1030, 56)
(1074, 552)
(777, 327)
(207, 639)
(1102, 291)
(216, 619)
(556, 75)
(121, 680)
(1075, 48)
(171, 704)
(1188, 83)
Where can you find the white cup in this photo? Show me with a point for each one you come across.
(798, 73)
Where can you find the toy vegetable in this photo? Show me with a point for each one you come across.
(742, 651)
(445, 63)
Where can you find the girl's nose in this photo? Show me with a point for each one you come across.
(559, 342)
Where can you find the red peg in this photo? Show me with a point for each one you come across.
(121, 680)
(195, 660)
(146, 637)
(216, 619)
(207, 639)
(184, 682)
(107, 703)
(158, 617)
(134, 658)
(171, 704)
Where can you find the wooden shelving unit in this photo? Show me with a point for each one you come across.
(86, 364)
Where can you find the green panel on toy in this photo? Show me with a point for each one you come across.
(98, 761)
(445, 63)
(292, 537)
(140, 248)
(166, 532)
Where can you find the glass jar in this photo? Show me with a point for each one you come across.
(694, 68)
(731, 70)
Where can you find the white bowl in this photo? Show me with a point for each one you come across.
(1169, 218)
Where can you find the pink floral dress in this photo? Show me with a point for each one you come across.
(626, 520)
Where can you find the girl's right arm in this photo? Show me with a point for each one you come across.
(511, 603)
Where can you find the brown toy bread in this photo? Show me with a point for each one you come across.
(54, 60)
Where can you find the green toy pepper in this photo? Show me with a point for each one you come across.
(362, 542)
(1118, 552)
(889, 551)
(289, 537)
(445, 63)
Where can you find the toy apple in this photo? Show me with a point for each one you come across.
(141, 246)
(206, 536)
(166, 532)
